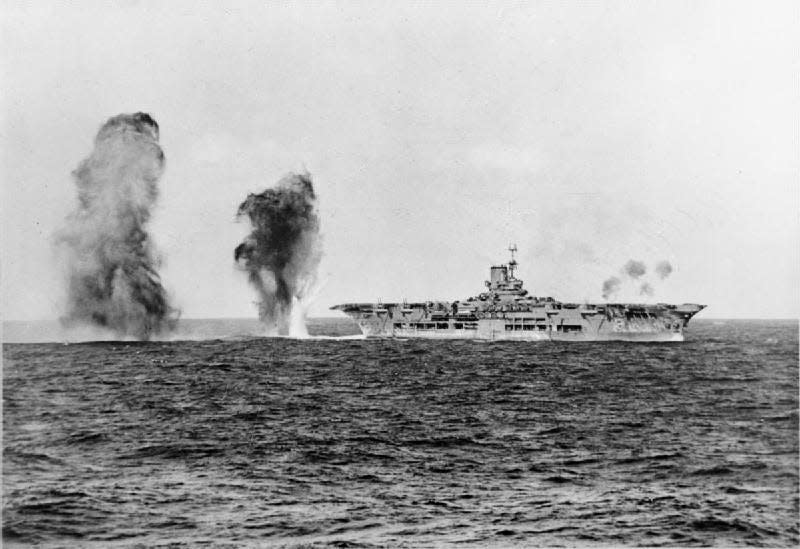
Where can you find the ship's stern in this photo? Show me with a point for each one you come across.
(371, 319)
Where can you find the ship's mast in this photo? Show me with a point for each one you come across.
(513, 263)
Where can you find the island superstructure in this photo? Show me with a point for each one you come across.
(505, 311)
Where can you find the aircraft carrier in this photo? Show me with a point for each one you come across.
(505, 311)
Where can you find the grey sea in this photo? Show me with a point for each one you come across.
(221, 438)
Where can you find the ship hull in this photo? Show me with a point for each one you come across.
(507, 313)
(507, 330)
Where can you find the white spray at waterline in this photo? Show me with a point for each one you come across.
(297, 319)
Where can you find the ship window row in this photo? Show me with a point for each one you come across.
(436, 326)
(525, 327)
(525, 320)
(543, 327)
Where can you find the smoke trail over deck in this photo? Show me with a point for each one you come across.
(635, 269)
(664, 269)
(632, 272)
(611, 287)
(111, 265)
(282, 253)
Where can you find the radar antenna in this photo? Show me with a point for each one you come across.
(513, 263)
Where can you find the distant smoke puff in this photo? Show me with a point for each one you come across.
(663, 269)
(610, 287)
(635, 269)
(112, 268)
(282, 253)
(646, 289)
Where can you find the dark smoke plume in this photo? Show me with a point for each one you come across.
(610, 287)
(112, 268)
(664, 269)
(281, 255)
(635, 269)
(646, 289)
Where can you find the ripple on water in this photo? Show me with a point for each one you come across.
(362, 443)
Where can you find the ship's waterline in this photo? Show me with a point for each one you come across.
(506, 312)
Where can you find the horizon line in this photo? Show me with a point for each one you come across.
(316, 317)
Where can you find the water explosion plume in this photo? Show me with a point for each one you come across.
(282, 253)
(111, 264)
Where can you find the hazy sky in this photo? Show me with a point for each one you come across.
(436, 133)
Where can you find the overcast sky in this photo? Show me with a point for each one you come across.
(436, 133)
